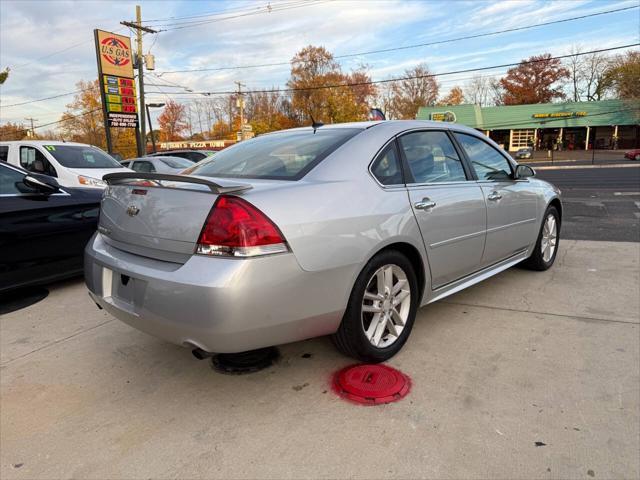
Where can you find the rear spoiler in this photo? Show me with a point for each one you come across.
(120, 178)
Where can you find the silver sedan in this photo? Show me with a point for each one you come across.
(342, 230)
(163, 164)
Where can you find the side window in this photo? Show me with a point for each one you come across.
(386, 168)
(34, 160)
(125, 164)
(4, 153)
(11, 182)
(143, 167)
(432, 157)
(488, 163)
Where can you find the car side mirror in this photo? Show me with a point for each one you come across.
(42, 183)
(524, 171)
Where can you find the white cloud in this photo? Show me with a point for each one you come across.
(33, 29)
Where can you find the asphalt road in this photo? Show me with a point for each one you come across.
(599, 203)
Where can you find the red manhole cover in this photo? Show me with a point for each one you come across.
(371, 384)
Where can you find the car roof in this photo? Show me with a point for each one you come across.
(164, 152)
(390, 124)
(41, 143)
(156, 158)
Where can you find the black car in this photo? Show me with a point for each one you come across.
(43, 227)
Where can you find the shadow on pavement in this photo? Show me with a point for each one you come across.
(24, 297)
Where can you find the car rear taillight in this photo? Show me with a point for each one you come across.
(235, 228)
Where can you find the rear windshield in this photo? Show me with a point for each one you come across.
(78, 156)
(176, 162)
(287, 155)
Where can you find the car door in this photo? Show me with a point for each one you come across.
(447, 203)
(33, 160)
(42, 236)
(511, 204)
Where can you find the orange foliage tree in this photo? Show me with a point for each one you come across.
(173, 121)
(536, 80)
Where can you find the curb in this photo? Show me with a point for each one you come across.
(577, 167)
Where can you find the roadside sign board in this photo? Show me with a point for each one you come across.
(115, 73)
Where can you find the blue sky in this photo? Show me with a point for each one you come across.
(32, 35)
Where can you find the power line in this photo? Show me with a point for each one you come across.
(58, 52)
(43, 99)
(269, 9)
(69, 118)
(211, 14)
(412, 77)
(337, 85)
(418, 45)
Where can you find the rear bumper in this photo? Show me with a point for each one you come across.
(217, 304)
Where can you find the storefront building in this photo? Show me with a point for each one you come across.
(607, 124)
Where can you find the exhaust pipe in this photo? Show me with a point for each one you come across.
(201, 354)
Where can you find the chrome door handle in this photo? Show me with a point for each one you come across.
(424, 204)
(494, 196)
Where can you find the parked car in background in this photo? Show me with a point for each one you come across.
(72, 164)
(524, 153)
(43, 227)
(158, 164)
(194, 155)
(633, 154)
(344, 229)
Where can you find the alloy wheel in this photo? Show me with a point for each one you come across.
(386, 305)
(549, 238)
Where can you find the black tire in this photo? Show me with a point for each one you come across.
(536, 261)
(350, 338)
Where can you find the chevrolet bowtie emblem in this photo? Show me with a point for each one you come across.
(132, 210)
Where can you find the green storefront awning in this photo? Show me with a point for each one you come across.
(542, 115)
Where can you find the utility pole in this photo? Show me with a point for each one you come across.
(137, 25)
(240, 105)
(31, 119)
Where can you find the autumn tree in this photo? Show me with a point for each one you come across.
(418, 89)
(268, 111)
(623, 75)
(538, 79)
(454, 97)
(83, 121)
(13, 131)
(173, 121)
(316, 80)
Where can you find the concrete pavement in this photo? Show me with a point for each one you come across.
(527, 375)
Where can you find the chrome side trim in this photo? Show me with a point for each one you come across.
(456, 239)
(504, 227)
(477, 277)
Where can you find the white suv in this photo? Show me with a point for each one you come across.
(73, 164)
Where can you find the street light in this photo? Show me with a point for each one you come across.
(153, 140)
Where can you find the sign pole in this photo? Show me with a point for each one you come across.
(137, 25)
(142, 148)
(103, 99)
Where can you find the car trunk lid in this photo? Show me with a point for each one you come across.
(159, 215)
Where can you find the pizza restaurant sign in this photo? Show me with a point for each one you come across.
(559, 115)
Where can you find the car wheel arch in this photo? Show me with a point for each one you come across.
(555, 202)
(412, 253)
